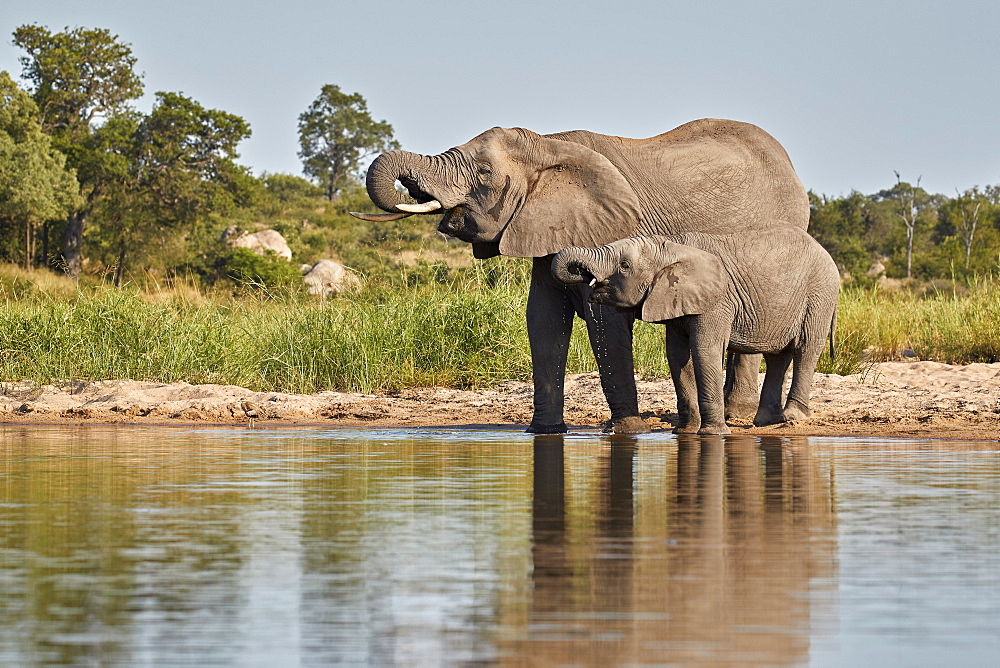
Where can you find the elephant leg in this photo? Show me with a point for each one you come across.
(803, 371)
(770, 410)
(682, 373)
(742, 371)
(707, 348)
(550, 322)
(610, 333)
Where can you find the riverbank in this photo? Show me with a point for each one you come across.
(915, 399)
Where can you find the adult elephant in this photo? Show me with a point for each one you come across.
(518, 193)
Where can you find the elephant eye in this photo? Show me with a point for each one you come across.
(626, 265)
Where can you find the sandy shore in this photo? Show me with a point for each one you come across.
(922, 399)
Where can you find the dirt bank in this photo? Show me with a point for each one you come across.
(925, 399)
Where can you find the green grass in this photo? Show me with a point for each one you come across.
(941, 326)
(467, 333)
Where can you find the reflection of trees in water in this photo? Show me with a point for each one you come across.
(628, 549)
(711, 554)
(94, 537)
(406, 546)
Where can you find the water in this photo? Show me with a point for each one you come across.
(163, 546)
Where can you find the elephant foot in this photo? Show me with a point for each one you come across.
(560, 428)
(766, 418)
(633, 424)
(714, 430)
(736, 410)
(796, 411)
(687, 429)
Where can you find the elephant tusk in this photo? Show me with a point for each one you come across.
(593, 282)
(379, 217)
(426, 207)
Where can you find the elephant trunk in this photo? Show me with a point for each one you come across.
(443, 174)
(582, 265)
(383, 174)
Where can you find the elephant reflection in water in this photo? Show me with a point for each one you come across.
(716, 552)
(555, 563)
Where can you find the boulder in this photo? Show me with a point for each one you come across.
(327, 277)
(877, 269)
(260, 242)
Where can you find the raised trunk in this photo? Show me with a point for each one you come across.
(580, 265)
(386, 170)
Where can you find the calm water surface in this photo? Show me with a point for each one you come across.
(161, 546)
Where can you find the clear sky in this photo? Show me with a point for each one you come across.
(854, 89)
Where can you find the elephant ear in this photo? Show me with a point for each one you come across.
(692, 282)
(576, 197)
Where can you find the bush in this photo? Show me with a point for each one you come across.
(261, 272)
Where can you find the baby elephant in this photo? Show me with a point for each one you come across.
(773, 292)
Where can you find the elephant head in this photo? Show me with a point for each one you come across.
(509, 191)
(667, 279)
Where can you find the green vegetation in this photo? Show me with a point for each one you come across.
(911, 233)
(949, 325)
(336, 133)
(468, 332)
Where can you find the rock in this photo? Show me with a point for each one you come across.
(327, 277)
(877, 269)
(259, 242)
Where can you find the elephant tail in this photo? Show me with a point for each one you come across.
(833, 336)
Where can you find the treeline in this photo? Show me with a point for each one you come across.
(905, 232)
(94, 188)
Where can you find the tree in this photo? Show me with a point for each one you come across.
(78, 76)
(965, 224)
(336, 133)
(35, 185)
(906, 195)
(168, 170)
(839, 224)
(914, 206)
(969, 206)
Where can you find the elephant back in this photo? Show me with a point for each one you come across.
(710, 175)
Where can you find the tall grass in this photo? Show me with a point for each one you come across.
(945, 326)
(386, 340)
(467, 333)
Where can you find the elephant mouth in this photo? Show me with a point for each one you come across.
(601, 293)
(606, 295)
(456, 222)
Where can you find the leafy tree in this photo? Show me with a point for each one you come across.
(168, 170)
(915, 208)
(34, 183)
(78, 76)
(969, 207)
(968, 221)
(289, 188)
(839, 224)
(336, 133)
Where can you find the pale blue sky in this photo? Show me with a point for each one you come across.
(853, 89)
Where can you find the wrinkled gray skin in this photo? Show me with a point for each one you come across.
(521, 194)
(773, 293)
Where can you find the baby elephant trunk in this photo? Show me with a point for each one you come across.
(581, 265)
